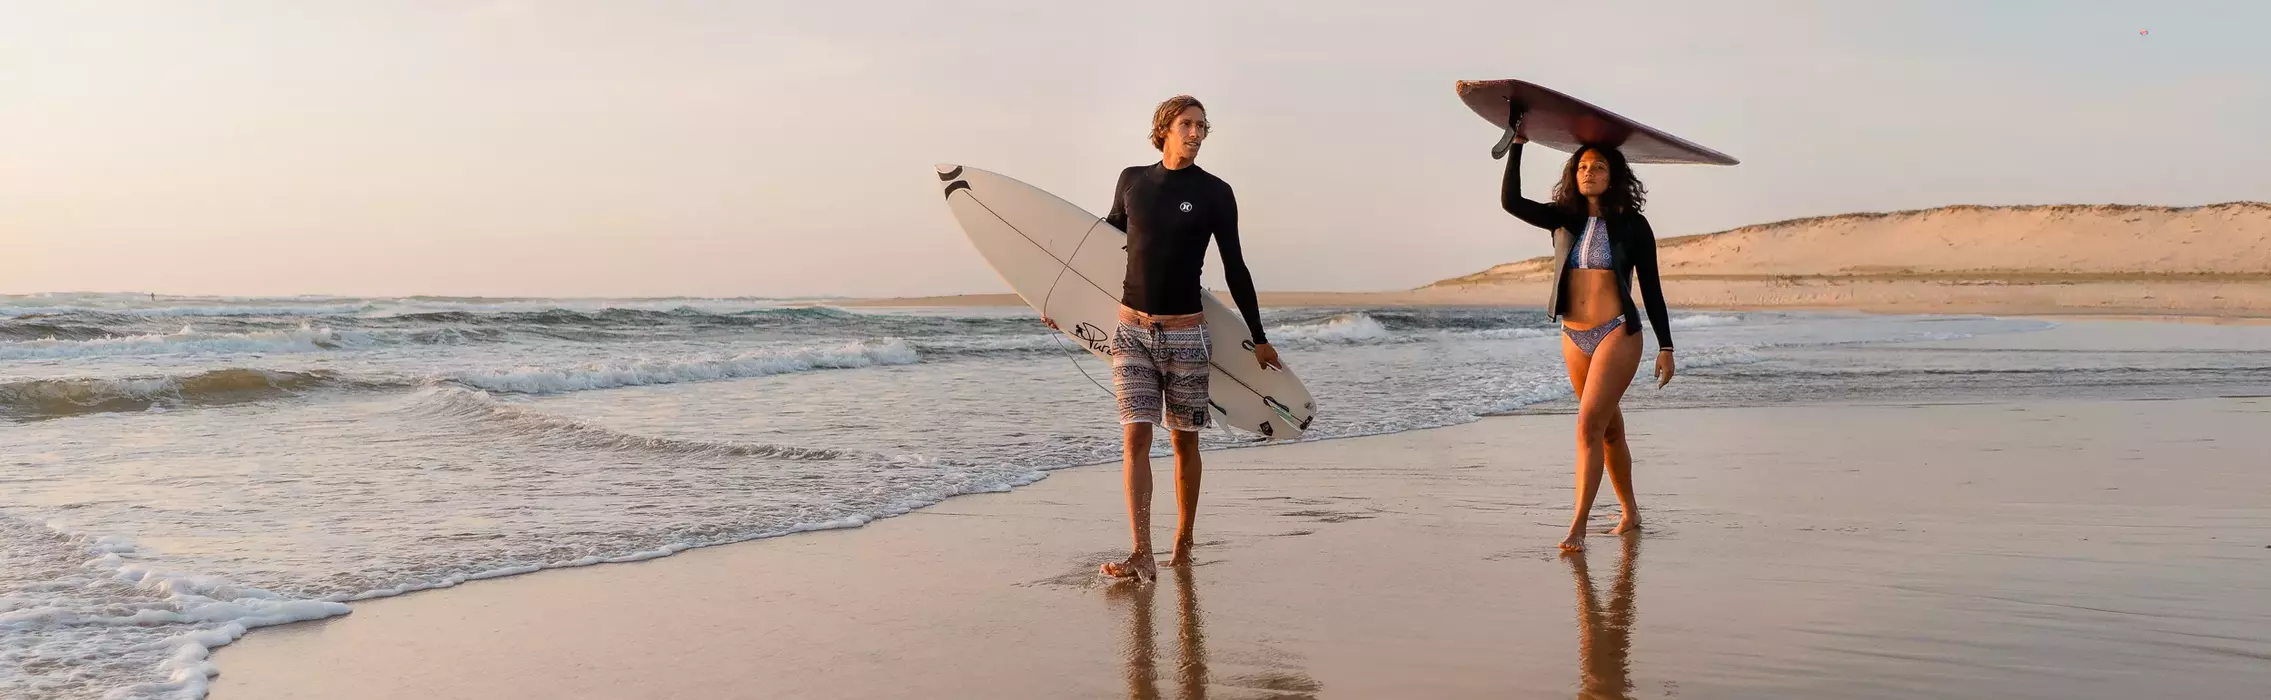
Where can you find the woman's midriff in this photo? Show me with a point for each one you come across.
(1591, 298)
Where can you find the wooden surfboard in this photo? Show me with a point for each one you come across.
(1564, 123)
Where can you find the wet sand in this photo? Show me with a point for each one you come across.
(2045, 549)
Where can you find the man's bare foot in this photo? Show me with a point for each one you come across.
(1629, 525)
(1182, 556)
(1576, 540)
(1139, 566)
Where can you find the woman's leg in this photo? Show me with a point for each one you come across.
(1620, 475)
(1580, 366)
(1608, 372)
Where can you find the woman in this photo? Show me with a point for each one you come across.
(1600, 241)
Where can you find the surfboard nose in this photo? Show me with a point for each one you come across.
(948, 171)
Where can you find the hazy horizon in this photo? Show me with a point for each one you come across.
(523, 149)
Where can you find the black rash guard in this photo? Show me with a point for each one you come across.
(1169, 215)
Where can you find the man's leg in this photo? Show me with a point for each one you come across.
(1137, 463)
(1184, 364)
(1136, 382)
(1186, 444)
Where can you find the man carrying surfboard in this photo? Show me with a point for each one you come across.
(1161, 349)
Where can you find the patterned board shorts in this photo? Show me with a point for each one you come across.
(1159, 366)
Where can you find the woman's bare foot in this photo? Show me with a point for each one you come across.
(1576, 539)
(1629, 525)
(1182, 556)
(1139, 566)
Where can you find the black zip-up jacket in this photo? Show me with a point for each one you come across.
(1632, 251)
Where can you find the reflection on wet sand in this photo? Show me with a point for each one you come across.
(1191, 677)
(1604, 633)
(1143, 673)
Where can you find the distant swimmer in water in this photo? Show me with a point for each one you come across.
(1605, 243)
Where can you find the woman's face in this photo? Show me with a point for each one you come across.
(1592, 174)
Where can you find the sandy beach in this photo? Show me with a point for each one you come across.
(523, 350)
(2078, 549)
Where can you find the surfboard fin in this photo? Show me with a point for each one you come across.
(1513, 124)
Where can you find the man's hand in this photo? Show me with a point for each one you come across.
(1268, 356)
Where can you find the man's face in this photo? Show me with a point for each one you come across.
(1186, 133)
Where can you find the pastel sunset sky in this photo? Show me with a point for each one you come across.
(270, 147)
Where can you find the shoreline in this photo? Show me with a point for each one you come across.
(1383, 565)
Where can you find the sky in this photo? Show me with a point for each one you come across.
(785, 148)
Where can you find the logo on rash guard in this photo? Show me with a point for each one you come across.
(1186, 207)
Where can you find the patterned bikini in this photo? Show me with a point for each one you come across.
(1591, 253)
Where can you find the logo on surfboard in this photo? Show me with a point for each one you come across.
(951, 178)
(1093, 336)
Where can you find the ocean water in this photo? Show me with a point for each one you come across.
(175, 472)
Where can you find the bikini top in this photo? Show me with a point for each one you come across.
(1592, 249)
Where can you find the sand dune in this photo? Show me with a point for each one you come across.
(2103, 242)
(2212, 259)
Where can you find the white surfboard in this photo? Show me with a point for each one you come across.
(1068, 265)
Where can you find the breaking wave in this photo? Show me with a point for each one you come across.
(55, 398)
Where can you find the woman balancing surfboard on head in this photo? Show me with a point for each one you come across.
(1603, 243)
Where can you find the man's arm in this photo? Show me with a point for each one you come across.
(1234, 268)
(1118, 217)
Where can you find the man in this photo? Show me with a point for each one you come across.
(1170, 210)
